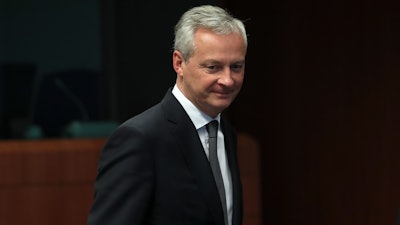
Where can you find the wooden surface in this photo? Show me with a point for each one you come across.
(51, 182)
(47, 182)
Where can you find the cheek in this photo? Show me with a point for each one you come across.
(238, 80)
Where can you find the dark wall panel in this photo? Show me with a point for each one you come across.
(322, 95)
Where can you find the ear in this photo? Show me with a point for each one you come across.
(177, 62)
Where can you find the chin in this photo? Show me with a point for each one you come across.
(222, 106)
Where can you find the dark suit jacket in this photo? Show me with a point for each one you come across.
(153, 170)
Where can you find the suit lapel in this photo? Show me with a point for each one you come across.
(231, 145)
(198, 164)
(193, 152)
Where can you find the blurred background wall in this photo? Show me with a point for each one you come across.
(54, 35)
(39, 38)
(321, 94)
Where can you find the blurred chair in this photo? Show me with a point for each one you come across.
(16, 84)
(60, 98)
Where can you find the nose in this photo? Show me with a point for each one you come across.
(226, 78)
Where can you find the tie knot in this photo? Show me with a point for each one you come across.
(212, 128)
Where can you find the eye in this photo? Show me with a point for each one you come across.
(212, 68)
(237, 67)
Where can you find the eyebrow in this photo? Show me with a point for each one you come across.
(212, 61)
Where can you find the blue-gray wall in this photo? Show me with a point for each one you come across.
(55, 35)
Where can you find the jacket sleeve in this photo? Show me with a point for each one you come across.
(125, 181)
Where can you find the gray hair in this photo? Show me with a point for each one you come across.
(209, 17)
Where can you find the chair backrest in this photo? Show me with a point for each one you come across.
(63, 97)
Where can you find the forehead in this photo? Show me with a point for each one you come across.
(210, 44)
(203, 35)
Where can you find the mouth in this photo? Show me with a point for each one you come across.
(223, 94)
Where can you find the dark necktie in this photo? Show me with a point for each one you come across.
(212, 129)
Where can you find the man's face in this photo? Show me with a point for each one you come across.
(213, 76)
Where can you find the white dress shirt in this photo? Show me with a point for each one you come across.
(200, 120)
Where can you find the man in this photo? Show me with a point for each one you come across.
(155, 169)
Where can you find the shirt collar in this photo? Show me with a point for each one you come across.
(198, 118)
